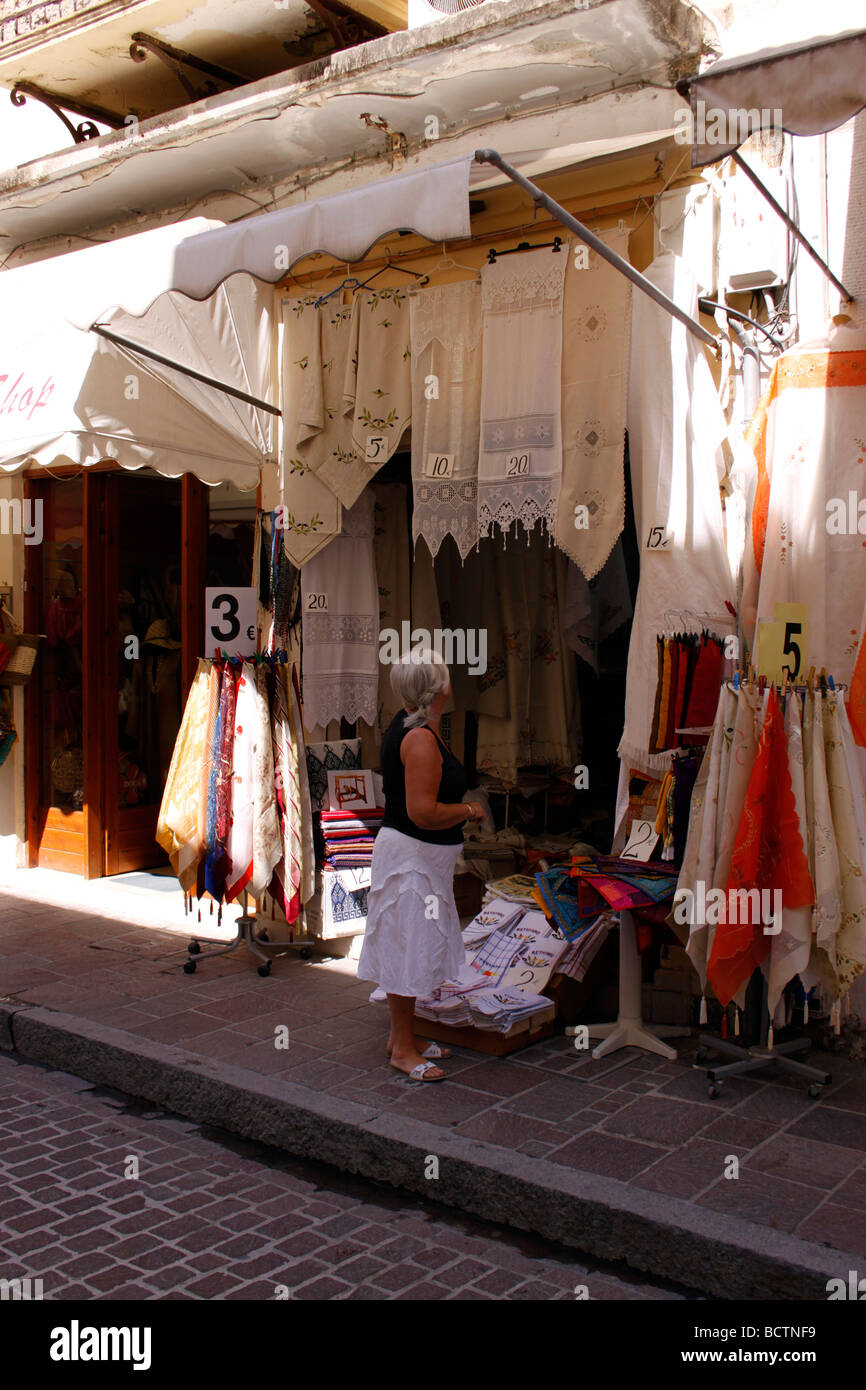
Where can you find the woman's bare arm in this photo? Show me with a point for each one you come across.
(422, 759)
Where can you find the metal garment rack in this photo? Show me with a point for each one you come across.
(246, 923)
(760, 1055)
(246, 936)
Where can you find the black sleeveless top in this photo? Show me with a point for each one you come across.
(452, 786)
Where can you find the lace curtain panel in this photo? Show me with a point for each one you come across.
(446, 407)
(340, 624)
(595, 327)
(520, 459)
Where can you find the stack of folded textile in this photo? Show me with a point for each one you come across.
(574, 896)
(349, 837)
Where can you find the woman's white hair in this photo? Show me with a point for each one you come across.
(416, 680)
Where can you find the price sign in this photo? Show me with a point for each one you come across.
(518, 465)
(375, 448)
(659, 539)
(781, 653)
(439, 466)
(642, 840)
(230, 621)
(316, 603)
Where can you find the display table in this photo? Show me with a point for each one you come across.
(629, 1030)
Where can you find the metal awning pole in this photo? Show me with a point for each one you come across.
(790, 224)
(493, 157)
(179, 367)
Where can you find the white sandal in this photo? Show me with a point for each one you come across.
(432, 1051)
(419, 1073)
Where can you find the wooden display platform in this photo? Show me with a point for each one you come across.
(522, 1034)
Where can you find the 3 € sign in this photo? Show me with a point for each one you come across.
(229, 621)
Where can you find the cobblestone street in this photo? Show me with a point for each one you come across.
(211, 1217)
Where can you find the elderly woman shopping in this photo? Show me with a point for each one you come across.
(413, 943)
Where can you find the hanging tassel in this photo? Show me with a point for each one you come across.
(736, 1022)
(805, 1011)
(220, 915)
(199, 913)
(702, 1015)
(770, 1037)
(724, 1023)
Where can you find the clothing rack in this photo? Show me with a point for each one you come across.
(246, 923)
(762, 1054)
(246, 935)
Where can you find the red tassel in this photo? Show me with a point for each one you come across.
(725, 1024)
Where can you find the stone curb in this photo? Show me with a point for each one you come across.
(662, 1236)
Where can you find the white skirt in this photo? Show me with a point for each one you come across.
(412, 941)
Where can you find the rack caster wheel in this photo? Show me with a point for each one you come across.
(815, 1090)
(189, 967)
(265, 969)
(713, 1091)
(305, 953)
(701, 1055)
(194, 948)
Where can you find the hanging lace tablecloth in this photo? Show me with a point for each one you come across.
(340, 606)
(520, 459)
(313, 427)
(377, 386)
(446, 407)
(596, 325)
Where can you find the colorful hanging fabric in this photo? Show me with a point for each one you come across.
(220, 790)
(267, 844)
(791, 947)
(239, 842)
(768, 855)
(178, 824)
(847, 802)
(285, 751)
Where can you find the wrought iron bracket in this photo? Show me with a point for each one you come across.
(87, 130)
(346, 27)
(177, 59)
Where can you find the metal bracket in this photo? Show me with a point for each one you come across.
(346, 27)
(176, 59)
(590, 239)
(87, 130)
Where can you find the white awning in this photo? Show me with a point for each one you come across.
(66, 394)
(807, 89)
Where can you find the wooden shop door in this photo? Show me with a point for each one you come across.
(118, 591)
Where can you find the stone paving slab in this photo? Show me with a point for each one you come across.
(625, 1157)
(201, 1218)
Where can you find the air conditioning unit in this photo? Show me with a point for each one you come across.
(427, 11)
(753, 239)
